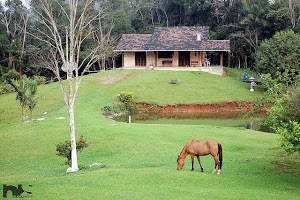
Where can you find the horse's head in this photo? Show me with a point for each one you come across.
(180, 163)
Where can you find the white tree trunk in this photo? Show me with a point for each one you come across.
(66, 53)
(74, 164)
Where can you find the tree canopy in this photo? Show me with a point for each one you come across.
(280, 53)
(245, 22)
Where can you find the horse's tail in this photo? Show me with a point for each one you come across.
(220, 154)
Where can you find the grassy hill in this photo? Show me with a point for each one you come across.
(140, 159)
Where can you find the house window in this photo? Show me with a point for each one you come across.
(165, 54)
(140, 58)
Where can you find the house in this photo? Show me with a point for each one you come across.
(182, 46)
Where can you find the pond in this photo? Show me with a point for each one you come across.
(226, 119)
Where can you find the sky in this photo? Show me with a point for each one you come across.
(25, 2)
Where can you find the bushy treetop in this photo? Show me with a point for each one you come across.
(280, 53)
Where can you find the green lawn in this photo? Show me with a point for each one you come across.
(140, 159)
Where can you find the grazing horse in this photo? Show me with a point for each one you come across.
(201, 148)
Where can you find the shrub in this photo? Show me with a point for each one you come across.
(6, 88)
(124, 105)
(114, 108)
(279, 53)
(39, 79)
(284, 118)
(127, 99)
(64, 149)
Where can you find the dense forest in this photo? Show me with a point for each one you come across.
(247, 23)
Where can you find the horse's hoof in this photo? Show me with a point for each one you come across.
(219, 172)
(214, 171)
(192, 169)
(201, 170)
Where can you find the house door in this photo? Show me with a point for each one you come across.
(184, 58)
(140, 58)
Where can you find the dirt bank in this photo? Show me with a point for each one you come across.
(234, 106)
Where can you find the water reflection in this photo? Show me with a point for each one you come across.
(258, 126)
(225, 119)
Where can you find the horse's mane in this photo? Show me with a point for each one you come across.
(183, 149)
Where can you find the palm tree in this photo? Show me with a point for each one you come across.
(31, 102)
(252, 24)
(255, 20)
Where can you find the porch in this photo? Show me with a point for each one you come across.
(167, 59)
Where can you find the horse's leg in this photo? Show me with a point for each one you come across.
(217, 163)
(200, 163)
(192, 157)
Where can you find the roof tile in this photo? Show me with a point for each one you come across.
(183, 38)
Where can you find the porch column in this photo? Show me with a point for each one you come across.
(122, 59)
(155, 58)
(199, 58)
(228, 58)
(175, 59)
(221, 59)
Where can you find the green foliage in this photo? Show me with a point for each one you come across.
(25, 89)
(39, 79)
(127, 99)
(113, 109)
(123, 23)
(277, 86)
(278, 15)
(10, 75)
(6, 88)
(31, 92)
(124, 105)
(64, 149)
(290, 136)
(3, 70)
(21, 88)
(279, 53)
(284, 116)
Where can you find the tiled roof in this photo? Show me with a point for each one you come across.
(183, 38)
(134, 42)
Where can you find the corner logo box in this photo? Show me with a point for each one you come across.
(16, 191)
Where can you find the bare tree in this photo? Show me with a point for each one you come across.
(15, 19)
(148, 9)
(294, 11)
(102, 34)
(64, 42)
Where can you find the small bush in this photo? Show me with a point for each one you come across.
(114, 108)
(126, 97)
(124, 105)
(64, 149)
(6, 88)
(39, 79)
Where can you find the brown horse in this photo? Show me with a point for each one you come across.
(201, 148)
